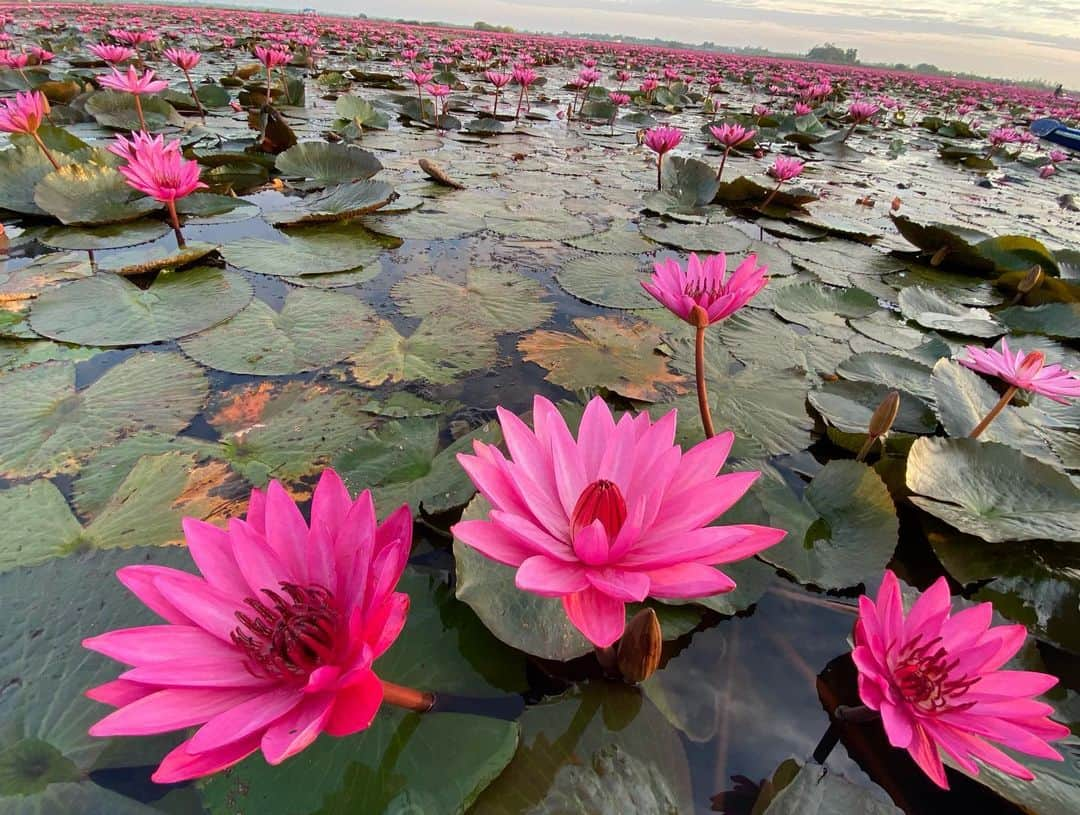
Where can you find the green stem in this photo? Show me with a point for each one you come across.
(702, 393)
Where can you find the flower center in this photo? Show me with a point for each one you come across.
(923, 678)
(600, 501)
(291, 633)
(1032, 364)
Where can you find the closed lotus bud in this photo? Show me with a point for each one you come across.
(1032, 280)
(639, 648)
(885, 414)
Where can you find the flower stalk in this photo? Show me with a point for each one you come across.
(700, 318)
(994, 411)
(407, 698)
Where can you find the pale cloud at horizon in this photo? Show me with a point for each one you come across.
(1009, 38)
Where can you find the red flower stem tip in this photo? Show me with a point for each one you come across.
(994, 411)
(701, 321)
(408, 698)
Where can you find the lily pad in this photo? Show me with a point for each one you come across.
(401, 462)
(710, 238)
(313, 329)
(822, 309)
(600, 749)
(327, 163)
(389, 767)
(493, 299)
(306, 251)
(756, 337)
(140, 260)
(48, 757)
(613, 281)
(931, 309)
(116, 110)
(110, 310)
(848, 406)
(613, 354)
(49, 426)
(111, 236)
(361, 111)
(892, 370)
(993, 491)
(841, 532)
(440, 350)
(20, 171)
(1052, 319)
(90, 194)
(614, 241)
(338, 203)
(817, 791)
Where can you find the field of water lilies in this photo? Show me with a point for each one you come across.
(413, 420)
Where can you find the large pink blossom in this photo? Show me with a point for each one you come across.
(274, 643)
(705, 283)
(1027, 371)
(112, 53)
(23, 113)
(157, 168)
(132, 81)
(935, 678)
(611, 518)
(663, 139)
(784, 168)
(731, 135)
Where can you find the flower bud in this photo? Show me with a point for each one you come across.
(1032, 280)
(640, 646)
(884, 415)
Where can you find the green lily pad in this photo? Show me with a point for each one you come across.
(47, 758)
(614, 241)
(110, 236)
(756, 337)
(428, 224)
(307, 251)
(49, 426)
(848, 406)
(390, 767)
(817, 791)
(313, 329)
(710, 238)
(140, 260)
(822, 309)
(327, 163)
(1017, 253)
(963, 398)
(893, 370)
(116, 110)
(493, 299)
(20, 171)
(440, 350)
(993, 491)
(401, 462)
(20, 353)
(111, 310)
(286, 433)
(931, 309)
(338, 203)
(210, 208)
(841, 532)
(40, 525)
(687, 185)
(90, 194)
(351, 109)
(600, 749)
(957, 243)
(538, 218)
(1052, 319)
(612, 281)
(613, 354)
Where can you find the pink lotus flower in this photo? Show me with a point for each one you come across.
(17, 60)
(1047, 170)
(614, 517)
(704, 284)
(274, 643)
(862, 111)
(182, 58)
(1025, 371)
(803, 109)
(133, 82)
(663, 139)
(731, 135)
(619, 99)
(157, 169)
(934, 677)
(112, 53)
(785, 168)
(272, 57)
(24, 113)
(1057, 156)
(497, 78)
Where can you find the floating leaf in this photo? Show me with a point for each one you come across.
(360, 111)
(141, 260)
(111, 310)
(756, 337)
(612, 281)
(817, 791)
(20, 171)
(615, 241)
(116, 109)
(338, 203)
(848, 406)
(111, 236)
(493, 299)
(38, 525)
(440, 350)
(841, 533)
(313, 329)
(287, 433)
(711, 238)
(48, 425)
(1052, 319)
(901, 373)
(401, 463)
(613, 354)
(390, 767)
(993, 491)
(822, 309)
(327, 163)
(1016, 253)
(932, 309)
(90, 194)
(307, 251)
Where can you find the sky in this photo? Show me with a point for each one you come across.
(1020, 39)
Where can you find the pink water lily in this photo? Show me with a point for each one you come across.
(274, 643)
(936, 679)
(617, 515)
(662, 140)
(24, 114)
(135, 84)
(705, 283)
